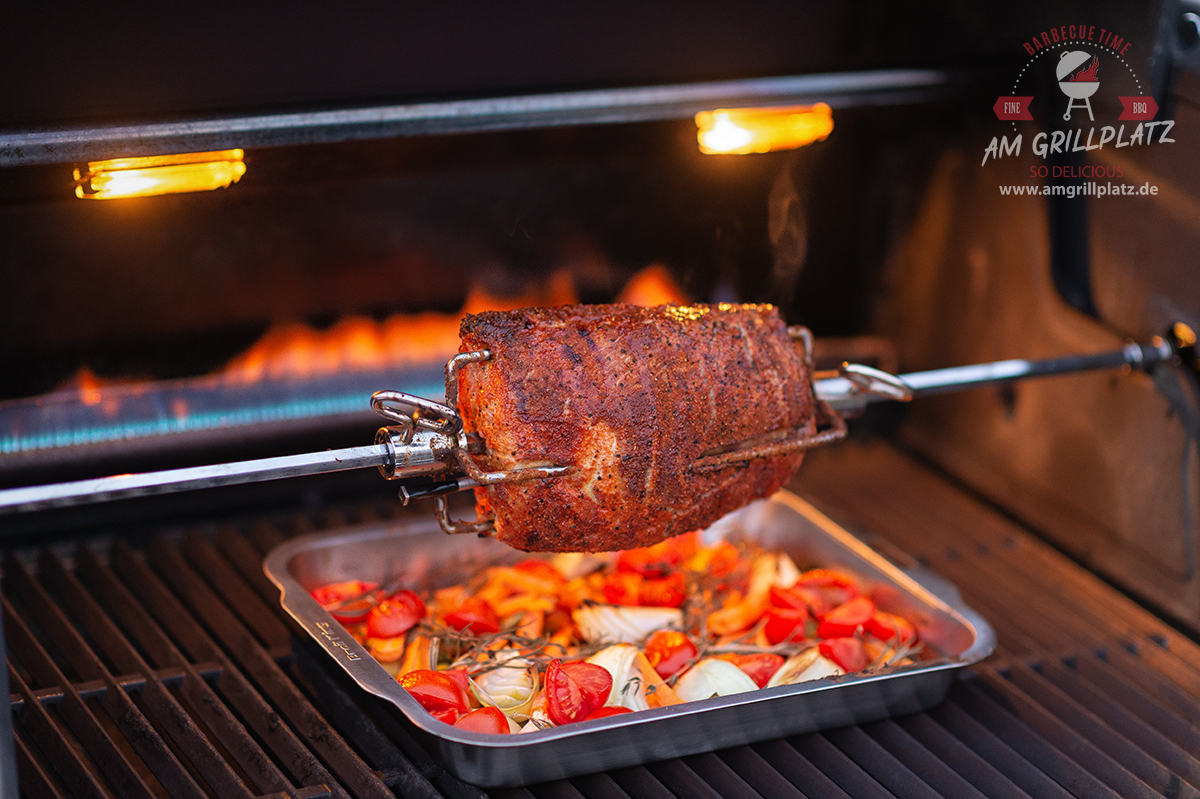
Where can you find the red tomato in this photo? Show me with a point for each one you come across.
(474, 616)
(485, 719)
(574, 690)
(725, 559)
(395, 615)
(460, 677)
(623, 588)
(848, 653)
(605, 712)
(787, 598)
(658, 561)
(760, 667)
(890, 627)
(800, 597)
(845, 619)
(668, 592)
(669, 651)
(785, 624)
(440, 695)
(835, 587)
(541, 569)
(336, 593)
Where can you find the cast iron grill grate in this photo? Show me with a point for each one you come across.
(169, 670)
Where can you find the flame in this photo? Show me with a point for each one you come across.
(652, 286)
(1087, 75)
(358, 343)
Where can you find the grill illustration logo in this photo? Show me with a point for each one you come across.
(1072, 56)
(1078, 82)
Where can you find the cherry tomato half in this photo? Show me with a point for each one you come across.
(439, 694)
(785, 624)
(659, 560)
(669, 651)
(336, 593)
(541, 570)
(890, 627)
(475, 616)
(668, 592)
(761, 667)
(849, 653)
(485, 719)
(623, 588)
(461, 677)
(395, 615)
(605, 712)
(799, 597)
(845, 619)
(574, 690)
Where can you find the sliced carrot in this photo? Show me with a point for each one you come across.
(658, 693)
(531, 624)
(417, 655)
(741, 616)
(524, 603)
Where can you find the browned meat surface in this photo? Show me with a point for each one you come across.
(632, 397)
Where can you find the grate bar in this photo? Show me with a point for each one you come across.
(241, 553)
(158, 700)
(758, 773)
(717, 773)
(877, 761)
(1030, 744)
(600, 786)
(35, 781)
(353, 723)
(300, 762)
(235, 593)
(109, 759)
(841, 769)
(638, 782)
(1134, 698)
(681, 780)
(1117, 774)
(140, 733)
(980, 756)
(1173, 759)
(216, 716)
(266, 673)
(799, 770)
(932, 769)
(50, 739)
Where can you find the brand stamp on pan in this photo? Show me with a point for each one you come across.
(335, 642)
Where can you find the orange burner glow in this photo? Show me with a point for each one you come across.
(159, 174)
(737, 131)
(358, 343)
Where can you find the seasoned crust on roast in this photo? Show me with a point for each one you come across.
(631, 397)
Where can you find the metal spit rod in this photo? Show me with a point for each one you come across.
(417, 462)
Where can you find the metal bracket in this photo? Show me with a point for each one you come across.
(442, 508)
(869, 380)
(830, 427)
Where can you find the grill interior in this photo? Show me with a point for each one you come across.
(165, 667)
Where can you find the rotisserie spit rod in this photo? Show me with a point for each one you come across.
(419, 449)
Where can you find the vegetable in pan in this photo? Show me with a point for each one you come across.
(577, 637)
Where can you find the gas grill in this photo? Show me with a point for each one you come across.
(163, 666)
(553, 158)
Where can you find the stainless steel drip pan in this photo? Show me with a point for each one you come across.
(430, 558)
